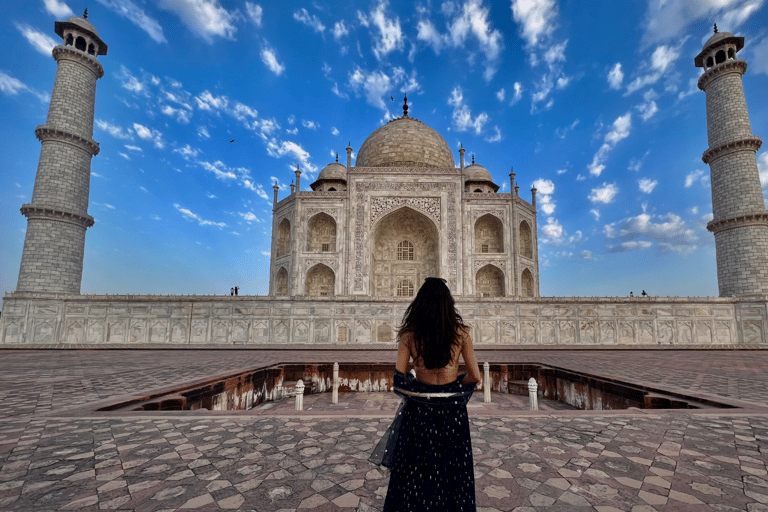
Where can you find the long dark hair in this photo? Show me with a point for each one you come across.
(434, 322)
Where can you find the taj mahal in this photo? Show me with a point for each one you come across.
(348, 256)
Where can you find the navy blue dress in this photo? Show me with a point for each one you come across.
(429, 450)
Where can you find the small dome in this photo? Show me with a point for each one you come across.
(405, 142)
(333, 171)
(84, 24)
(477, 172)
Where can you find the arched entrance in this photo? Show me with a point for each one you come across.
(489, 282)
(321, 281)
(405, 251)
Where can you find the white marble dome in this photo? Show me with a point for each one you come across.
(405, 142)
(333, 171)
(475, 172)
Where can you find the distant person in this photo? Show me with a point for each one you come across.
(631, 294)
(236, 290)
(428, 446)
(232, 292)
(644, 294)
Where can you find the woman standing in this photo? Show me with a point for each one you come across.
(428, 446)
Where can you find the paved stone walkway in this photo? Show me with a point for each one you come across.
(55, 456)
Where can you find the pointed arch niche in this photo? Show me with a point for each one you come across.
(527, 283)
(281, 283)
(283, 238)
(489, 282)
(489, 235)
(526, 240)
(321, 233)
(405, 249)
(321, 281)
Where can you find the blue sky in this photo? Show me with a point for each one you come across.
(598, 107)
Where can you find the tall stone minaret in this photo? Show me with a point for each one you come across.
(58, 216)
(740, 222)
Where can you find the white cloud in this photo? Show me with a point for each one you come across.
(661, 59)
(587, 255)
(133, 148)
(202, 133)
(143, 189)
(647, 185)
(619, 131)
(256, 187)
(218, 168)
(309, 20)
(266, 253)
(312, 125)
(561, 171)
(536, 19)
(552, 229)
(130, 82)
(269, 58)
(41, 42)
(667, 19)
(254, 12)
(496, 137)
(472, 19)
(189, 215)
(279, 149)
(12, 86)
(694, 176)
(518, 87)
(242, 112)
(377, 86)
(124, 155)
(182, 115)
(206, 19)
(554, 57)
(544, 201)
(390, 35)
(462, 116)
(137, 16)
(115, 131)
(211, 103)
(249, 217)
(334, 131)
(667, 229)
(630, 246)
(649, 108)
(762, 168)
(58, 9)
(595, 213)
(149, 134)
(210, 196)
(615, 77)
(339, 30)
(500, 94)
(187, 152)
(604, 194)
(759, 57)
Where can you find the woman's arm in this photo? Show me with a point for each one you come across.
(470, 363)
(403, 355)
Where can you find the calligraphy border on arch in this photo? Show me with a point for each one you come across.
(331, 263)
(453, 228)
(430, 206)
(331, 212)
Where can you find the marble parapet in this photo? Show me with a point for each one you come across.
(49, 318)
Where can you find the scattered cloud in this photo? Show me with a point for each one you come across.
(189, 215)
(278, 149)
(339, 30)
(661, 59)
(254, 12)
(130, 82)
(269, 58)
(218, 168)
(11, 86)
(587, 255)
(312, 125)
(390, 34)
(249, 217)
(137, 16)
(149, 134)
(759, 57)
(41, 42)
(672, 233)
(604, 194)
(694, 176)
(630, 246)
(647, 185)
(619, 131)
(536, 19)
(206, 19)
(518, 94)
(202, 133)
(462, 116)
(58, 9)
(115, 131)
(187, 152)
(303, 16)
(496, 137)
(762, 168)
(500, 94)
(595, 213)
(544, 201)
(124, 155)
(615, 76)
(377, 86)
(133, 148)
(552, 229)
(648, 108)
(334, 131)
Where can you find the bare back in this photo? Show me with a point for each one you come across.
(446, 374)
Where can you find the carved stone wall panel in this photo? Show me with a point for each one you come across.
(239, 331)
(685, 332)
(626, 332)
(724, 334)
(219, 330)
(362, 331)
(138, 330)
(281, 332)
(488, 332)
(645, 333)
(96, 331)
(13, 331)
(159, 330)
(45, 310)
(548, 332)
(385, 333)
(178, 332)
(528, 332)
(75, 331)
(260, 331)
(587, 332)
(607, 333)
(322, 331)
(430, 206)
(199, 330)
(301, 332)
(753, 331)
(508, 333)
(567, 332)
(43, 331)
(666, 332)
(703, 333)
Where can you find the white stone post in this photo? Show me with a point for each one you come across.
(533, 397)
(300, 395)
(486, 382)
(335, 394)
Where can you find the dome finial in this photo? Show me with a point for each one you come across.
(405, 105)
(85, 14)
(715, 28)
(473, 159)
(337, 158)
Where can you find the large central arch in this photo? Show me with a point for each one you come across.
(406, 249)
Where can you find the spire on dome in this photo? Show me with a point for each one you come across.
(405, 106)
(715, 28)
(85, 14)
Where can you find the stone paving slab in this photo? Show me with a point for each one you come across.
(51, 459)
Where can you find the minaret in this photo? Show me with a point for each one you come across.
(740, 222)
(57, 216)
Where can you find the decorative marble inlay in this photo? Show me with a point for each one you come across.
(427, 205)
(333, 264)
(333, 212)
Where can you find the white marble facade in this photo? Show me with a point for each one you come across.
(403, 213)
